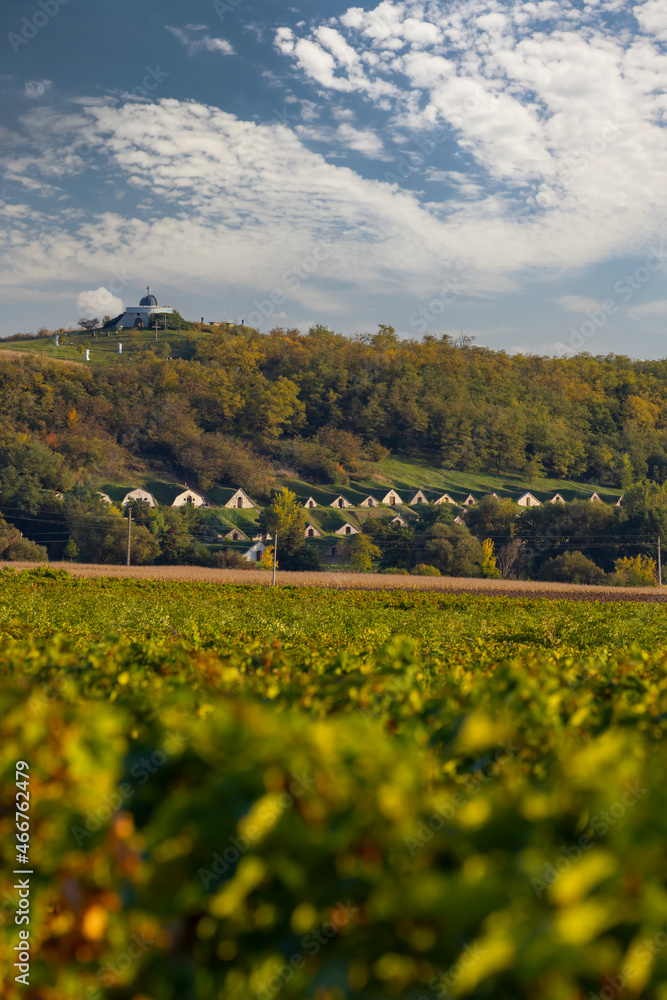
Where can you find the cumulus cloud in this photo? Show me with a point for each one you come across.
(199, 44)
(37, 88)
(99, 302)
(559, 111)
(652, 17)
(225, 193)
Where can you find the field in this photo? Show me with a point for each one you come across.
(247, 792)
(341, 580)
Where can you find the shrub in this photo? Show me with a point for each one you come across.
(635, 571)
(14, 548)
(229, 559)
(423, 569)
(451, 549)
(571, 567)
(26, 551)
(489, 568)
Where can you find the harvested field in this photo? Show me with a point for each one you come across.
(363, 581)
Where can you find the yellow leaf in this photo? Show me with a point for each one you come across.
(474, 813)
(580, 924)
(480, 732)
(482, 959)
(95, 921)
(585, 873)
(262, 817)
(304, 918)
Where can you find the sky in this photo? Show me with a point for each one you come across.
(488, 167)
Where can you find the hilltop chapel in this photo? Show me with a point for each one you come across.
(140, 316)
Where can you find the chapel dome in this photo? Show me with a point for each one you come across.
(149, 299)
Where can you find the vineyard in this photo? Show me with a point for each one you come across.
(242, 792)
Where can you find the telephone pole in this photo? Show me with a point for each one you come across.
(659, 564)
(275, 556)
(129, 533)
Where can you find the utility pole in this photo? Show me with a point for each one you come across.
(275, 556)
(659, 564)
(156, 331)
(129, 533)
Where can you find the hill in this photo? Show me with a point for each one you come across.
(321, 414)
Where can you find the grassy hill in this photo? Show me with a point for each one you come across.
(104, 345)
(403, 474)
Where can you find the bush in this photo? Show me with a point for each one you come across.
(635, 571)
(19, 336)
(14, 548)
(302, 559)
(423, 569)
(571, 567)
(26, 551)
(229, 559)
(451, 549)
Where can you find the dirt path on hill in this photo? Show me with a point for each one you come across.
(364, 581)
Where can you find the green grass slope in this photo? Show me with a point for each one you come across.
(104, 349)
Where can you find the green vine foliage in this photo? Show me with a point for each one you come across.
(471, 805)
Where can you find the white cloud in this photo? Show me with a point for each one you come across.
(652, 16)
(362, 140)
(323, 59)
(225, 193)
(37, 88)
(99, 302)
(657, 308)
(558, 115)
(578, 303)
(207, 44)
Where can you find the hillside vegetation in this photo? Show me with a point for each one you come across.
(321, 412)
(468, 408)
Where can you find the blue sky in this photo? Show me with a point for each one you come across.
(487, 166)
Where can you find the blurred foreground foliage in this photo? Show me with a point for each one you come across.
(224, 818)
